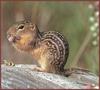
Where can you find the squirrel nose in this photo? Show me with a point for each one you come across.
(13, 38)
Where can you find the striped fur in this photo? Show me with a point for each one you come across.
(61, 45)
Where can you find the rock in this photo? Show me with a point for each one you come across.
(23, 77)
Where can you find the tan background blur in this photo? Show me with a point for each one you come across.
(69, 18)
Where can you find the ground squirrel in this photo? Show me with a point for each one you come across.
(50, 49)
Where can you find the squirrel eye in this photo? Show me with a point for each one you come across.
(21, 27)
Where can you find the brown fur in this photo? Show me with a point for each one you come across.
(25, 36)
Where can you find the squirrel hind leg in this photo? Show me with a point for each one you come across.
(39, 69)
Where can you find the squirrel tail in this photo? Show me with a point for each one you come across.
(69, 71)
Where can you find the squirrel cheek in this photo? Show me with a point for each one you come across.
(25, 39)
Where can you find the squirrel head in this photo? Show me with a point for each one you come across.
(23, 35)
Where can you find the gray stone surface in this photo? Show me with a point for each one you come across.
(23, 77)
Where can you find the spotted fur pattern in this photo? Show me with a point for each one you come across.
(58, 46)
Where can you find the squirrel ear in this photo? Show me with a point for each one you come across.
(33, 26)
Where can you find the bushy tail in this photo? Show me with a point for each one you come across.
(69, 71)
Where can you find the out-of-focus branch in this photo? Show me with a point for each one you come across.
(82, 48)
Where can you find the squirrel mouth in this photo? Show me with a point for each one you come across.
(13, 39)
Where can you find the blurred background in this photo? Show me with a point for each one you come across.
(77, 21)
